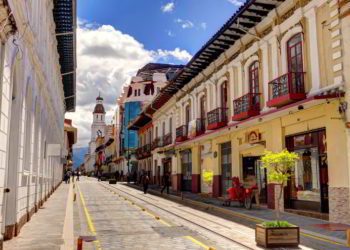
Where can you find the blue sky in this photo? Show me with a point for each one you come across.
(186, 24)
(115, 38)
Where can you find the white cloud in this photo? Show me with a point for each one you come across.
(169, 7)
(203, 25)
(237, 3)
(106, 59)
(185, 24)
(180, 55)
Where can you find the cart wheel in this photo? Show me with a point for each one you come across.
(248, 203)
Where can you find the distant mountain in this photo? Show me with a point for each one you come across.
(78, 156)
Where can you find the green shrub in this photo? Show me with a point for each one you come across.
(277, 223)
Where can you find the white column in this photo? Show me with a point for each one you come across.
(231, 89)
(274, 57)
(265, 75)
(238, 65)
(315, 67)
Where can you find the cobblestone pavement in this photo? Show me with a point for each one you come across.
(119, 222)
(312, 236)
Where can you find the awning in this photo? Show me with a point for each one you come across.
(64, 13)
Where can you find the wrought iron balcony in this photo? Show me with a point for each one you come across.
(181, 133)
(146, 150)
(217, 118)
(156, 143)
(246, 106)
(167, 139)
(286, 89)
(200, 126)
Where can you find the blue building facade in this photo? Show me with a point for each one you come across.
(132, 109)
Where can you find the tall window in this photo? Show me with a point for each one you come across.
(163, 129)
(170, 125)
(202, 103)
(187, 114)
(295, 54)
(224, 97)
(254, 77)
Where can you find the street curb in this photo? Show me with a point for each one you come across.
(304, 232)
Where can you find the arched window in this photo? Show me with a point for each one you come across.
(254, 77)
(224, 95)
(295, 53)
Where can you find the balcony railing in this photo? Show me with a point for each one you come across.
(146, 150)
(181, 133)
(217, 118)
(167, 139)
(156, 143)
(246, 106)
(286, 89)
(200, 126)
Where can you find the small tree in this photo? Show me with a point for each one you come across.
(279, 166)
(208, 177)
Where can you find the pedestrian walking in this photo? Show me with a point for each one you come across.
(117, 175)
(145, 180)
(73, 174)
(66, 177)
(78, 175)
(99, 175)
(121, 175)
(166, 183)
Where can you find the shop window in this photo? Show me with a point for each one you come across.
(308, 185)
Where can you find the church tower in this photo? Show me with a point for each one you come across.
(98, 127)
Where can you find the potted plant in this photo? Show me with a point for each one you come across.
(278, 233)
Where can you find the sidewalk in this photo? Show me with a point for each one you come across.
(309, 226)
(48, 227)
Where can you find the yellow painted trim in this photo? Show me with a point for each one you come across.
(89, 220)
(197, 242)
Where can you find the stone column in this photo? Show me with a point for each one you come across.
(274, 57)
(313, 42)
(196, 169)
(265, 75)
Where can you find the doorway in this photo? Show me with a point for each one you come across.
(252, 170)
(186, 170)
(226, 167)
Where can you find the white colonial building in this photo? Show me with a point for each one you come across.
(37, 87)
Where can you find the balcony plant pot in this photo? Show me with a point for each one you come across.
(270, 237)
(112, 181)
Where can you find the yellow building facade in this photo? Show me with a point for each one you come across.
(273, 77)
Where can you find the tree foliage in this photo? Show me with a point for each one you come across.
(279, 166)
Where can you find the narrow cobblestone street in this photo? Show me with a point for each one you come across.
(122, 217)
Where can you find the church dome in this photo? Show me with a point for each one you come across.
(99, 98)
(99, 109)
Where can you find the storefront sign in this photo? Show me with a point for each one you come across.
(253, 137)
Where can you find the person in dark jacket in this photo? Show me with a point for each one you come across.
(121, 175)
(145, 180)
(117, 175)
(166, 182)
